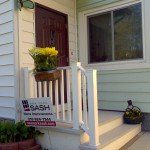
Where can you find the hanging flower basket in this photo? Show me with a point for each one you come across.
(45, 61)
(133, 114)
(47, 75)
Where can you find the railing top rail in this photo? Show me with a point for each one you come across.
(30, 70)
(64, 68)
(82, 69)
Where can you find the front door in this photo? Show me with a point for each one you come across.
(51, 29)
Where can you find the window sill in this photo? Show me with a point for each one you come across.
(120, 65)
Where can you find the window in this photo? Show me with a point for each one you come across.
(116, 35)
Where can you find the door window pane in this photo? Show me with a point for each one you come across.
(128, 33)
(100, 42)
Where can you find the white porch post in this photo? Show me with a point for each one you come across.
(26, 82)
(76, 94)
(93, 107)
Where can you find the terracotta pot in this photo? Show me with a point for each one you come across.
(47, 75)
(26, 144)
(37, 147)
(23, 145)
(9, 146)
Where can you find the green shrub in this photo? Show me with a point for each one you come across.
(15, 132)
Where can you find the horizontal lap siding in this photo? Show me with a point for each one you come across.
(89, 4)
(4, 111)
(7, 96)
(116, 87)
(6, 81)
(7, 59)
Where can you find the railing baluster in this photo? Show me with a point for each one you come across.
(76, 92)
(45, 88)
(93, 107)
(50, 92)
(68, 95)
(56, 100)
(35, 89)
(62, 95)
(84, 99)
(31, 86)
(37, 85)
(40, 89)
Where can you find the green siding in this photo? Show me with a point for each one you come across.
(109, 105)
(88, 4)
(116, 87)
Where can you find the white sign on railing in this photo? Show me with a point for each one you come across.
(38, 112)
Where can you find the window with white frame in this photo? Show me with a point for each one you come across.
(116, 35)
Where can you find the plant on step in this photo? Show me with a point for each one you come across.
(8, 132)
(45, 59)
(133, 114)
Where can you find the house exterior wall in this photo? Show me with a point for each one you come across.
(7, 63)
(117, 86)
(26, 20)
(119, 81)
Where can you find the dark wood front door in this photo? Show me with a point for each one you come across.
(52, 30)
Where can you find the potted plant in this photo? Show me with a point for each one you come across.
(18, 136)
(45, 61)
(133, 114)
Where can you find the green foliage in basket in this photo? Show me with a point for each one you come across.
(133, 113)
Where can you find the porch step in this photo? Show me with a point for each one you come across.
(109, 120)
(116, 138)
(113, 133)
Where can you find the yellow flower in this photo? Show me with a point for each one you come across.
(33, 51)
(48, 51)
(54, 52)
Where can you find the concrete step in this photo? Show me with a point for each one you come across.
(109, 120)
(118, 137)
(115, 138)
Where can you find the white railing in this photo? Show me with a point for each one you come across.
(75, 97)
(59, 92)
(85, 102)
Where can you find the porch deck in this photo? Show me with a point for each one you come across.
(107, 116)
(104, 117)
